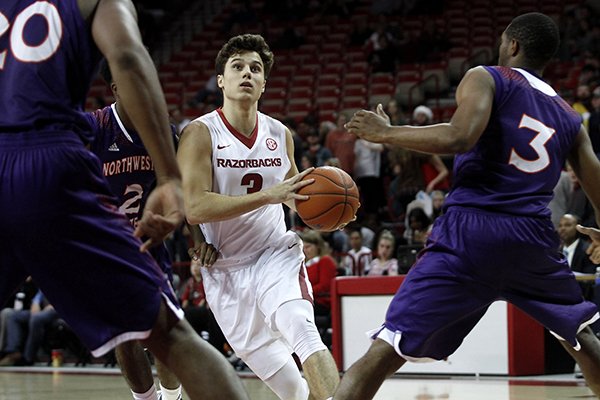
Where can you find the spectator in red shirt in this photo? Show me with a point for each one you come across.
(321, 269)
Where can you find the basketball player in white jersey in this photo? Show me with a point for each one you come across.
(238, 168)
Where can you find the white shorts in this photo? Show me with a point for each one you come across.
(245, 293)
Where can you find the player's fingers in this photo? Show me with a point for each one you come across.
(302, 174)
(192, 253)
(592, 232)
(297, 196)
(147, 245)
(203, 253)
(301, 184)
(213, 257)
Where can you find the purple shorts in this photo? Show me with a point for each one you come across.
(60, 224)
(472, 259)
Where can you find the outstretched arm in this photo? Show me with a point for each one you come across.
(474, 97)
(115, 31)
(586, 166)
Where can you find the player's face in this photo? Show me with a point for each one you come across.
(243, 77)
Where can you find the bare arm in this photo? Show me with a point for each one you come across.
(289, 144)
(115, 31)
(474, 97)
(201, 204)
(586, 166)
(116, 34)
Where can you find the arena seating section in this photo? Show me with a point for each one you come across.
(325, 76)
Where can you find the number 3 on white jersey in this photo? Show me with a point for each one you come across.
(544, 133)
(38, 52)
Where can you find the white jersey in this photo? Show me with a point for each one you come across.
(243, 165)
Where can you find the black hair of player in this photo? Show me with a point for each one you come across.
(538, 37)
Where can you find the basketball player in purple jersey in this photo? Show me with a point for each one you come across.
(512, 134)
(60, 221)
(130, 174)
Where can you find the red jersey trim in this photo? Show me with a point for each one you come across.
(247, 141)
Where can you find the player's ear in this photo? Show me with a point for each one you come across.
(220, 81)
(514, 47)
(263, 86)
(113, 87)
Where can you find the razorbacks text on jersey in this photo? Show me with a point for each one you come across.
(243, 165)
(516, 163)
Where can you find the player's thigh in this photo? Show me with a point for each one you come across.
(437, 305)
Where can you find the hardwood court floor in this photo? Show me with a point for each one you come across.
(44, 383)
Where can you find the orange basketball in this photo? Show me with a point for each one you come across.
(333, 200)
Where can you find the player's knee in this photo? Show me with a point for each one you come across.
(295, 321)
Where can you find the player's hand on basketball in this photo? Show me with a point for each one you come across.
(163, 213)
(287, 189)
(369, 125)
(205, 253)
(594, 248)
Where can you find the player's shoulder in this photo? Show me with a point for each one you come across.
(273, 125)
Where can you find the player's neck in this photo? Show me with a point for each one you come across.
(243, 119)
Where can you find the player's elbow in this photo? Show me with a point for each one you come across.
(459, 145)
(459, 140)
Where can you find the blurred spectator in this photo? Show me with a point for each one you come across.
(367, 168)
(408, 168)
(179, 120)
(582, 103)
(341, 144)
(417, 226)
(578, 203)
(422, 115)
(20, 301)
(315, 150)
(437, 203)
(29, 326)
(589, 75)
(359, 256)
(197, 311)
(574, 247)
(210, 94)
(307, 161)
(321, 269)
(394, 111)
(384, 263)
(383, 58)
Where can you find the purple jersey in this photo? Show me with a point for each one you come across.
(47, 61)
(516, 163)
(127, 167)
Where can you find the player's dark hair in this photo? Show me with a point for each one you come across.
(242, 44)
(537, 35)
(105, 72)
